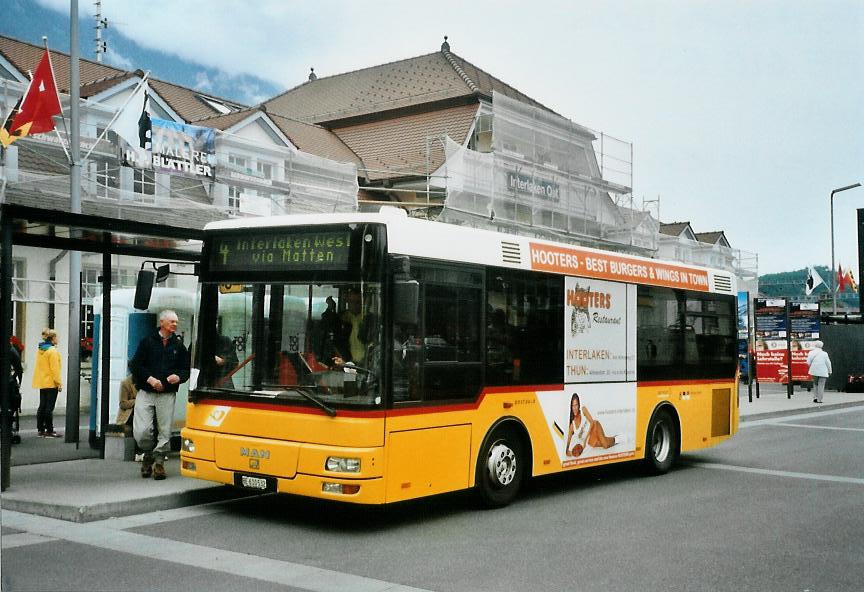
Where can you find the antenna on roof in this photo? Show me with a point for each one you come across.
(101, 23)
(312, 75)
(445, 46)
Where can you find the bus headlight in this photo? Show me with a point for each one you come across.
(188, 445)
(340, 464)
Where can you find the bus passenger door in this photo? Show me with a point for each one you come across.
(437, 364)
(440, 358)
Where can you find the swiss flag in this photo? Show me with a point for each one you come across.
(38, 107)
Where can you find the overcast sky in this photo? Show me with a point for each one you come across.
(744, 114)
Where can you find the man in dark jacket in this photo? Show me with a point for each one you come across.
(160, 365)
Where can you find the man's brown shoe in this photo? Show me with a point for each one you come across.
(147, 466)
(159, 471)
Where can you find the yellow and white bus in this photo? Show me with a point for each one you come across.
(374, 358)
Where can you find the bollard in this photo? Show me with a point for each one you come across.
(119, 444)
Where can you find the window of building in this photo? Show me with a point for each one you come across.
(238, 162)
(265, 169)
(19, 280)
(143, 182)
(106, 179)
(215, 104)
(481, 141)
(235, 195)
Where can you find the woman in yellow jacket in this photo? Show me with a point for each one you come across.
(46, 377)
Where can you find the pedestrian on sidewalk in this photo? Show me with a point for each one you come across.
(819, 367)
(46, 378)
(160, 365)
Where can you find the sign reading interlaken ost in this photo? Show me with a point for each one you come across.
(608, 266)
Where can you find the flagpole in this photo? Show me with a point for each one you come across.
(59, 102)
(73, 374)
(116, 115)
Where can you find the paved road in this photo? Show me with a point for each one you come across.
(776, 508)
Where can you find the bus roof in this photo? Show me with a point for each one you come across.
(449, 242)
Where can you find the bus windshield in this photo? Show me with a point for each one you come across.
(313, 343)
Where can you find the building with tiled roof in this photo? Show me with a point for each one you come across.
(678, 241)
(718, 237)
(410, 120)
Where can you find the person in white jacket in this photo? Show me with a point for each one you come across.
(819, 367)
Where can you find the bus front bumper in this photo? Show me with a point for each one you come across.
(365, 487)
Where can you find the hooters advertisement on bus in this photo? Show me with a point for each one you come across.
(599, 331)
(613, 266)
(591, 422)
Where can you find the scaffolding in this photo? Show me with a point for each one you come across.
(534, 172)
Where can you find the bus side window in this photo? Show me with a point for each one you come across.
(441, 358)
(524, 339)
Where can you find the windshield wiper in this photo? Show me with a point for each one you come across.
(224, 390)
(307, 393)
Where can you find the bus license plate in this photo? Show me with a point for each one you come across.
(257, 483)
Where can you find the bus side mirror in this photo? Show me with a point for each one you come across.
(406, 296)
(162, 273)
(143, 289)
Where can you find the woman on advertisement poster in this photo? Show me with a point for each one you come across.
(584, 430)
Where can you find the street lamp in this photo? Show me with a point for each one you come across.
(833, 270)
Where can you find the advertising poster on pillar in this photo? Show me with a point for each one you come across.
(769, 316)
(772, 356)
(599, 330)
(804, 319)
(800, 349)
(771, 360)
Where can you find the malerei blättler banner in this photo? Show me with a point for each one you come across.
(176, 149)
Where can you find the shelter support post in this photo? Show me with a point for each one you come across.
(5, 333)
(73, 374)
(105, 339)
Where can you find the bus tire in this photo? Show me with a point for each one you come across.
(661, 443)
(500, 468)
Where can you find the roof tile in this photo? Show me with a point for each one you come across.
(97, 77)
(397, 147)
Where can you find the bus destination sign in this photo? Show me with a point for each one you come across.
(281, 251)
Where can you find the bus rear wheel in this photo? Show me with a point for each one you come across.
(500, 468)
(661, 443)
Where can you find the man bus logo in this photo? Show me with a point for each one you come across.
(255, 453)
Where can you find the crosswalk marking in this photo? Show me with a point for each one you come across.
(286, 573)
(23, 539)
(817, 427)
(810, 415)
(774, 473)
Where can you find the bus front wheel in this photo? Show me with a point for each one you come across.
(661, 443)
(500, 468)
